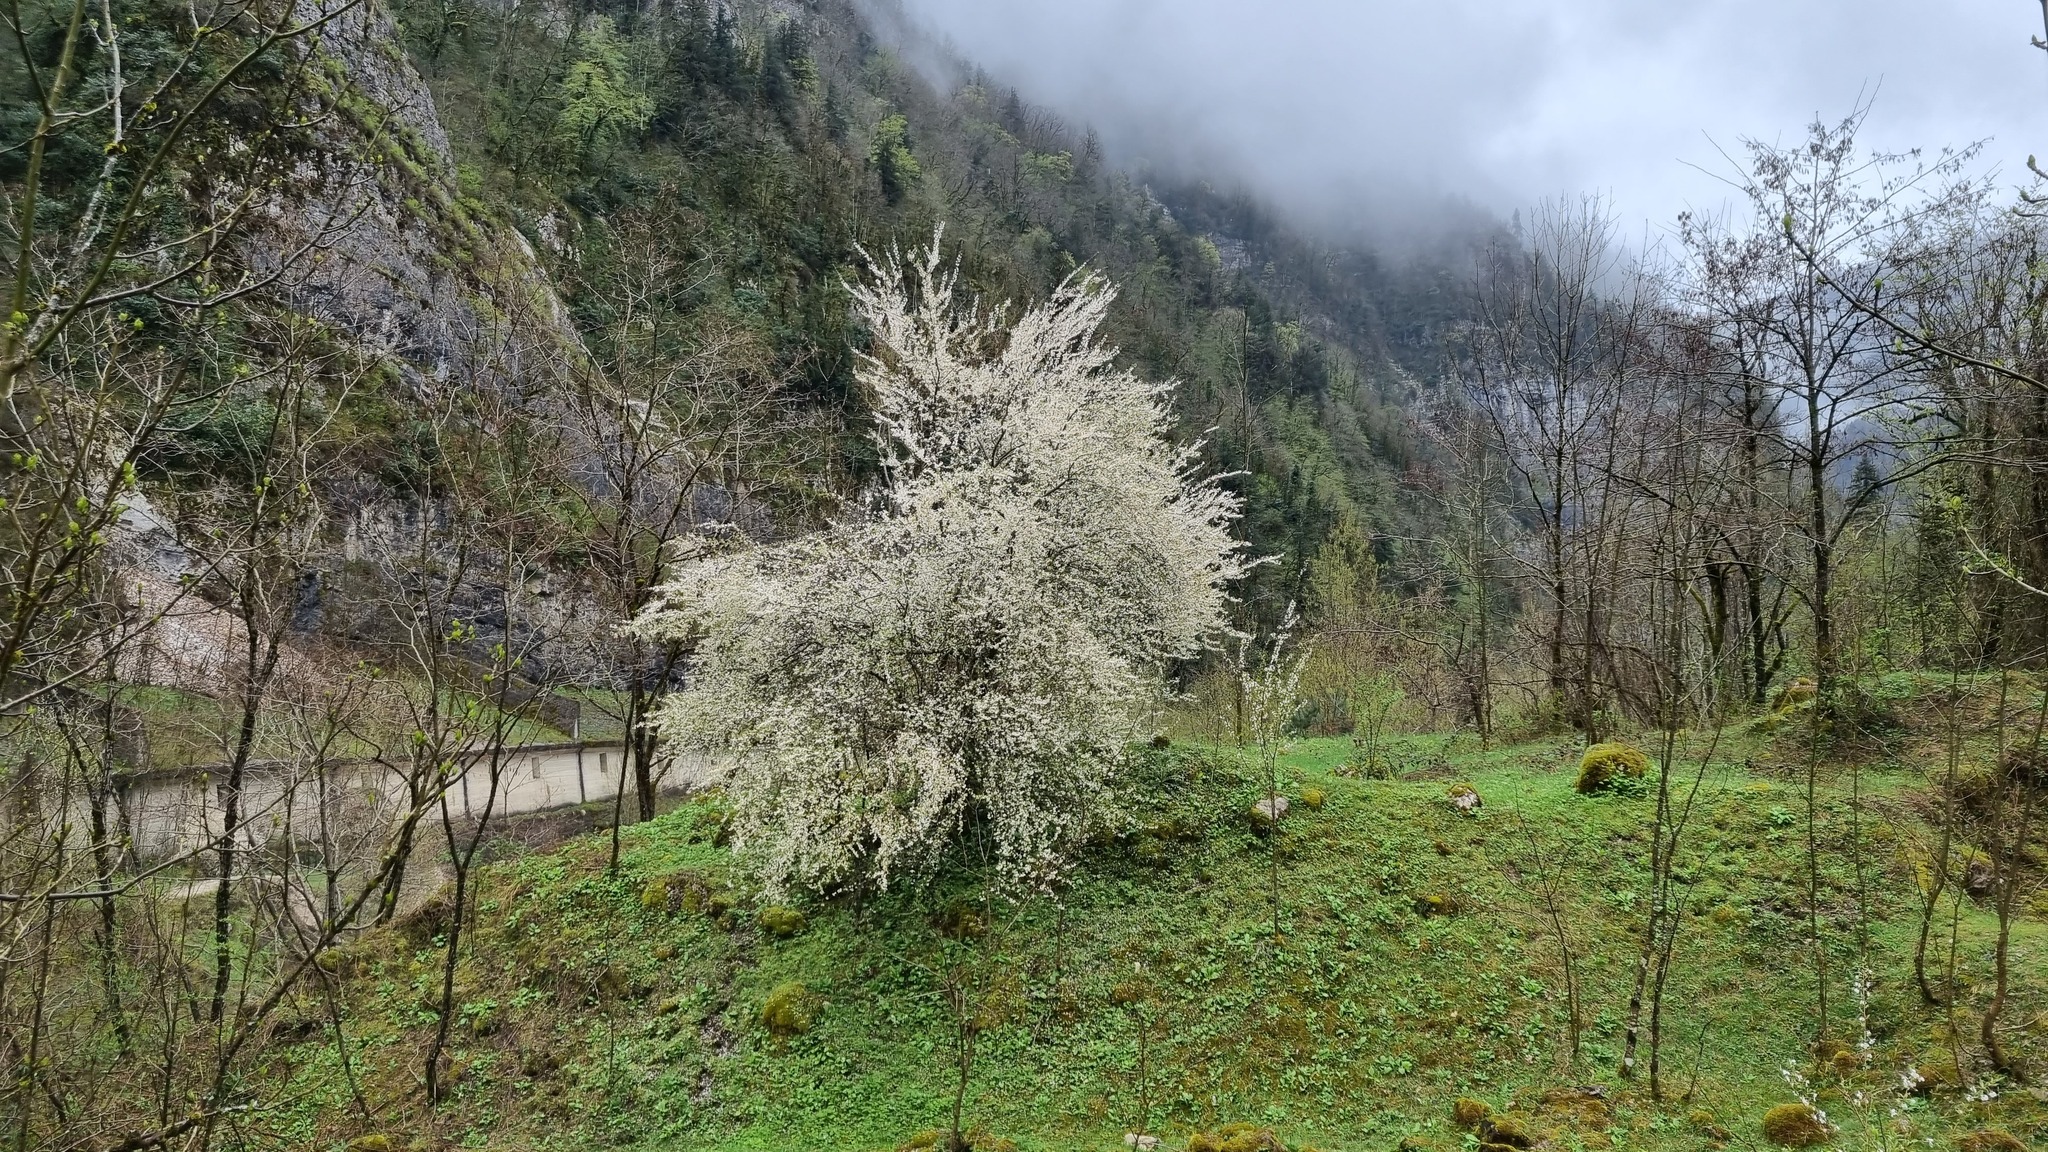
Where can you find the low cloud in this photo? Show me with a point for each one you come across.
(1378, 114)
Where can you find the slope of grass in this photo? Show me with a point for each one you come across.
(1413, 965)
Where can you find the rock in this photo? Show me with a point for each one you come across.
(1796, 1126)
(1465, 798)
(1268, 811)
(1142, 1143)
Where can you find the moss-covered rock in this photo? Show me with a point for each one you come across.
(1435, 904)
(1470, 1113)
(961, 920)
(1708, 1125)
(1603, 766)
(1465, 798)
(1797, 691)
(1513, 1130)
(1796, 1125)
(1266, 813)
(1236, 1138)
(789, 1010)
(1312, 799)
(1584, 1109)
(780, 921)
(1990, 1140)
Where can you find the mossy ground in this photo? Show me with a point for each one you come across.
(591, 1016)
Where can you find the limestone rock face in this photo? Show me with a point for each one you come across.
(374, 237)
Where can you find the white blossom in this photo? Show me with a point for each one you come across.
(972, 649)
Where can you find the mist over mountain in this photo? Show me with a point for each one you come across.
(1389, 116)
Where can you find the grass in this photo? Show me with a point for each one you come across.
(1413, 967)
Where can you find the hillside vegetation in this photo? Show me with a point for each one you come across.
(1416, 964)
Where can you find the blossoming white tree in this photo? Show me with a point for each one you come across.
(968, 656)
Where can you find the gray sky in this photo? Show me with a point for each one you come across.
(1344, 104)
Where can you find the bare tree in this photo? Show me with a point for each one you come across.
(674, 424)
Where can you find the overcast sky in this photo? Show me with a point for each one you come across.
(1347, 102)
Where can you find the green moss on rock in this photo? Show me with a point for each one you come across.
(780, 921)
(789, 1010)
(1236, 1138)
(1796, 1125)
(1990, 1140)
(1605, 765)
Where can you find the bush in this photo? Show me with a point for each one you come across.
(1604, 765)
(1470, 1113)
(788, 1011)
(780, 921)
(1796, 1126)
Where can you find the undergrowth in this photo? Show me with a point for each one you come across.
(669, 1006)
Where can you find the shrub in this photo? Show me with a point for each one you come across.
(1796, 1126)
(1604, 765)
(781, 921)
(1312, 799)
(788, 1011)
(1470, 1113)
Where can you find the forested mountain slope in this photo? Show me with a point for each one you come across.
(761, 147)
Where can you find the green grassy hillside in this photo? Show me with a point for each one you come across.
(1414, 965)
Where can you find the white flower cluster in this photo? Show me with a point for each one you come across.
(970, 651)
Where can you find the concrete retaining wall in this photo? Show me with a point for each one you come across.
(295, 806)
